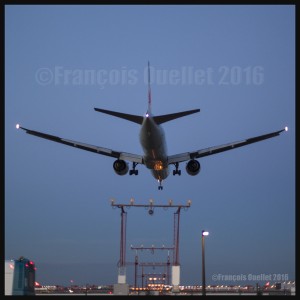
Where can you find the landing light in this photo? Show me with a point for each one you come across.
(286, 128)
(147, 115)
(18, 126)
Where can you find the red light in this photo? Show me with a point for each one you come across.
(31, 263)
(26, 265)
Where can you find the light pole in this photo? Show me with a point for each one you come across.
(204, 233)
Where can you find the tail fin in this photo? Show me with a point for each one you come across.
(149, 91)
(165, 118)
(139, 119)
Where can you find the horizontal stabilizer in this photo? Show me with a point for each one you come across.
(132, 118)
(166, 118)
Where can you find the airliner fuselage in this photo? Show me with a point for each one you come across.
(152, 139)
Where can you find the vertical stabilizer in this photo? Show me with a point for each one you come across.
(149, 91)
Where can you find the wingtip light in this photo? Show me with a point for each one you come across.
(18, 126)
(286, 128)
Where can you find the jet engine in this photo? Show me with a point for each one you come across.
(193, 167)
(120, 167)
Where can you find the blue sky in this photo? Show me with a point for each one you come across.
(235, 63)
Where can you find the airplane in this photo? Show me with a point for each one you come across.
(152, 140)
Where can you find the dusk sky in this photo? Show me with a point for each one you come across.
(236, 63)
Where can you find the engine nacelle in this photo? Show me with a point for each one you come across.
(193, 167)
(120, 167)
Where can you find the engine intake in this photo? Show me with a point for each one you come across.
(193, 167)
(120, 167)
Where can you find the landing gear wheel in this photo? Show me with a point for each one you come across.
(134, 171)
(176, 171)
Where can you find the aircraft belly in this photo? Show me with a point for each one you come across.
(160, 175)
(155, 156)
(155, 152)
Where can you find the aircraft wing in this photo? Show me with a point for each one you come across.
(217, 149)
(100, 150)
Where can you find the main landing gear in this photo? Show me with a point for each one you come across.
(134, 171)
(176, 171)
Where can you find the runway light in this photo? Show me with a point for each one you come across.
(18, 126)
(286, 128)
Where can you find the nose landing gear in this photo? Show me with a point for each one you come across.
(160, 187)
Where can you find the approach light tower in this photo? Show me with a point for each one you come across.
(150, 206)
